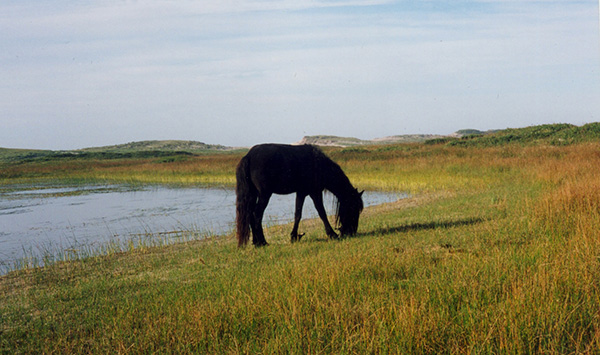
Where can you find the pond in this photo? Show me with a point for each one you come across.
(37, 221)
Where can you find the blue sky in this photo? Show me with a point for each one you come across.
(233, 72)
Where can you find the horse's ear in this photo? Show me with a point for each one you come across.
(361, 193)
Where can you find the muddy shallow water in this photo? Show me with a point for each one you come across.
(50, 219)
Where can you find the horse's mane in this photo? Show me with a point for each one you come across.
(330, 171)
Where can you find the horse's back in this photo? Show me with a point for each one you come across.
(281, 168)
(281, 154)
(274, 149)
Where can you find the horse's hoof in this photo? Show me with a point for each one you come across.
(297, 237)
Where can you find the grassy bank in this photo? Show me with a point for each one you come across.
(496, 252)
(158, 168)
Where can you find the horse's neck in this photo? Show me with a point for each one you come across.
(337, 182)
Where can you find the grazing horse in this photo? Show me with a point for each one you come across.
(285, 169)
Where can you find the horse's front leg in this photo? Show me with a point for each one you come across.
(297, 217)
(258, 236)
(318, 200)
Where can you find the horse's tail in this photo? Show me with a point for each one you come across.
(245, 201)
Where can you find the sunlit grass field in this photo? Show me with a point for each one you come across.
(497, 250)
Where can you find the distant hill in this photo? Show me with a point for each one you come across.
(144, 149)
(7, 154)
(553, 134)
(166, 145)
(335, 141)
(331, 141)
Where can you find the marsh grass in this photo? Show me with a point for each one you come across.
(218, 169)
(71, 250)
(497, 251)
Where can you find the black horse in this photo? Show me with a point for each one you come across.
(285, 169)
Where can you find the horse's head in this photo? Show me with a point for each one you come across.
(348, 212)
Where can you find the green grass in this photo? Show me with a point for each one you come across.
(497, 251)
(129, 168)
(554, 134)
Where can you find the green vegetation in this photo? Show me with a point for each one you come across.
(144, 149)
(497, 251)
(469, 132)
(53, 156)
(142, 167)
(553, 134)
(8, 155)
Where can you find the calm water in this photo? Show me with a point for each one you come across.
(34, 221)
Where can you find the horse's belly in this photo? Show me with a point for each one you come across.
(284, 191)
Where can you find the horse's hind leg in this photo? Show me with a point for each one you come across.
(258, 236)
(297, 217)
